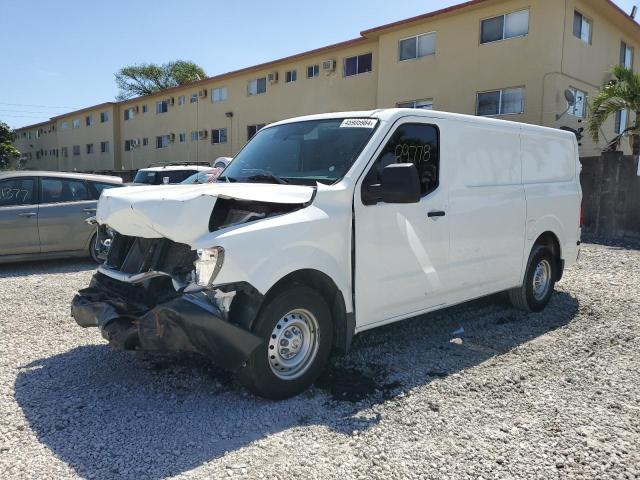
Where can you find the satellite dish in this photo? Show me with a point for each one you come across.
(570, 97)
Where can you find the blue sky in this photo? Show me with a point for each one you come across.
(62, 55)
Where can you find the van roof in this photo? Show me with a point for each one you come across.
(392, 114)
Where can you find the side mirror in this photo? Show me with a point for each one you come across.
(400, 184)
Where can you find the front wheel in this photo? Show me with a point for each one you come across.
(539, 281)
(298, 332)
(93, 249)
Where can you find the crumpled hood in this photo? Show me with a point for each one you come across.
(181, 212)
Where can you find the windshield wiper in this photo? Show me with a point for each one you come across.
(268, 176)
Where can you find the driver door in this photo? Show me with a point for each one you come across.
(402, 250)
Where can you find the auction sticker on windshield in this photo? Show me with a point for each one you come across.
(358, 123)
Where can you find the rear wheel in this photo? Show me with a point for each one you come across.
(298, 331)
(539, 281)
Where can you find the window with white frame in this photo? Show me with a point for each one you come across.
(253, 129)
(182, 137)
(64, 151)
(181, 100)
(626, 55)
(129, 113)
(145, 141)
(290, 76)
(194, 135)
(162, 141)
(508, 101)
(64, 125)
(622, 117)
(219, 135)
(104, 147)
(75, 123)
(104, 117)
(313, 71)
(257, 86)
(417, 46)
(358, 64)
(511, 25)
(89, 148)
(426, 104)
(579, 108)
(194, 98)
(218, 94)
(582, 27)
(88, 120)
(145, 108)
(162, 107)
(76, 150)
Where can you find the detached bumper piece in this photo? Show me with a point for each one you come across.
(182, 323)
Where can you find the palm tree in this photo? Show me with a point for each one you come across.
(621, 93)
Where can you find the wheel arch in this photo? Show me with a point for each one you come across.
(550, 240)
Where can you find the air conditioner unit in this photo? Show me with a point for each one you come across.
(202, 93)
(273, 77)
(203, 134)
(329, 65)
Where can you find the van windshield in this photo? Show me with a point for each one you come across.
(302, 152)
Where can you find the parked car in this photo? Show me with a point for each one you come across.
(42, 214)
(205, 176)
(168, 173)
(327, 226)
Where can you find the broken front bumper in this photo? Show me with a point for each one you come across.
(188, 322)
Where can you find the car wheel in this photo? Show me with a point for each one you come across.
(93, 248)
(539, 281)
(298, 332)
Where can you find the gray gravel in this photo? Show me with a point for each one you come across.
(550, 395)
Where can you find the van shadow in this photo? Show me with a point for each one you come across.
(114, 414)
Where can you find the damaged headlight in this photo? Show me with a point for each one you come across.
(208, 265)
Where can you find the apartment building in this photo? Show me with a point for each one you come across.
(511, 59)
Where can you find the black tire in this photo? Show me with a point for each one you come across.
(525, 297)
(93, 253)
(258, 375)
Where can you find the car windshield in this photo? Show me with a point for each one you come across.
(155, 177)
(302, 152)
(207, 176)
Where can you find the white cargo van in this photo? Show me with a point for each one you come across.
(325, 226)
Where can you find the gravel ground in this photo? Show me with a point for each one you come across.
(549, 395)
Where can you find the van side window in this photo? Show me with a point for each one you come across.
(411, 143)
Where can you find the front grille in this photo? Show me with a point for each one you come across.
(138, 255)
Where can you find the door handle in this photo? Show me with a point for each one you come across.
(436, 213)
(89, 210)
(27, 214)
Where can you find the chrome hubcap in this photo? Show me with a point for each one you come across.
(541, 279)
(293, 344)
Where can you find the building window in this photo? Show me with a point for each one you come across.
(218, 94)
(313, 71)
(357, 65)
(626, 55)
(181, 100)
(145, 141)
(418, 46)
(509, 101)
(162, 107)
(194, 135)
(582, 27)
(290, 76)
(182, 137)
(75, 124)
(63, 125)
(622, 117)
(104, 117)
(421, 104)
(579, 109)
(511, 25)
(219, 135)
(76, 150)
(162, 141)
(257, 86)
(88, 120)
(89, 148)
(65, 152)
(129, 113)
(127, 145)
(145, 108)
(104, 147)
(194, 98)
(253, 129)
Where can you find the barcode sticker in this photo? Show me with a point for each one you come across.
(358, 123)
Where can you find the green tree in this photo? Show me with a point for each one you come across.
(621, 93)
(147, 78)
(7, 151)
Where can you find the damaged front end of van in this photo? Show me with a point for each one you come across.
(157, 288)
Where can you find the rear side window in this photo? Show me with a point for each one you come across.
(411, 143)
(58, 190)
(145, 176)
(17, 191)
